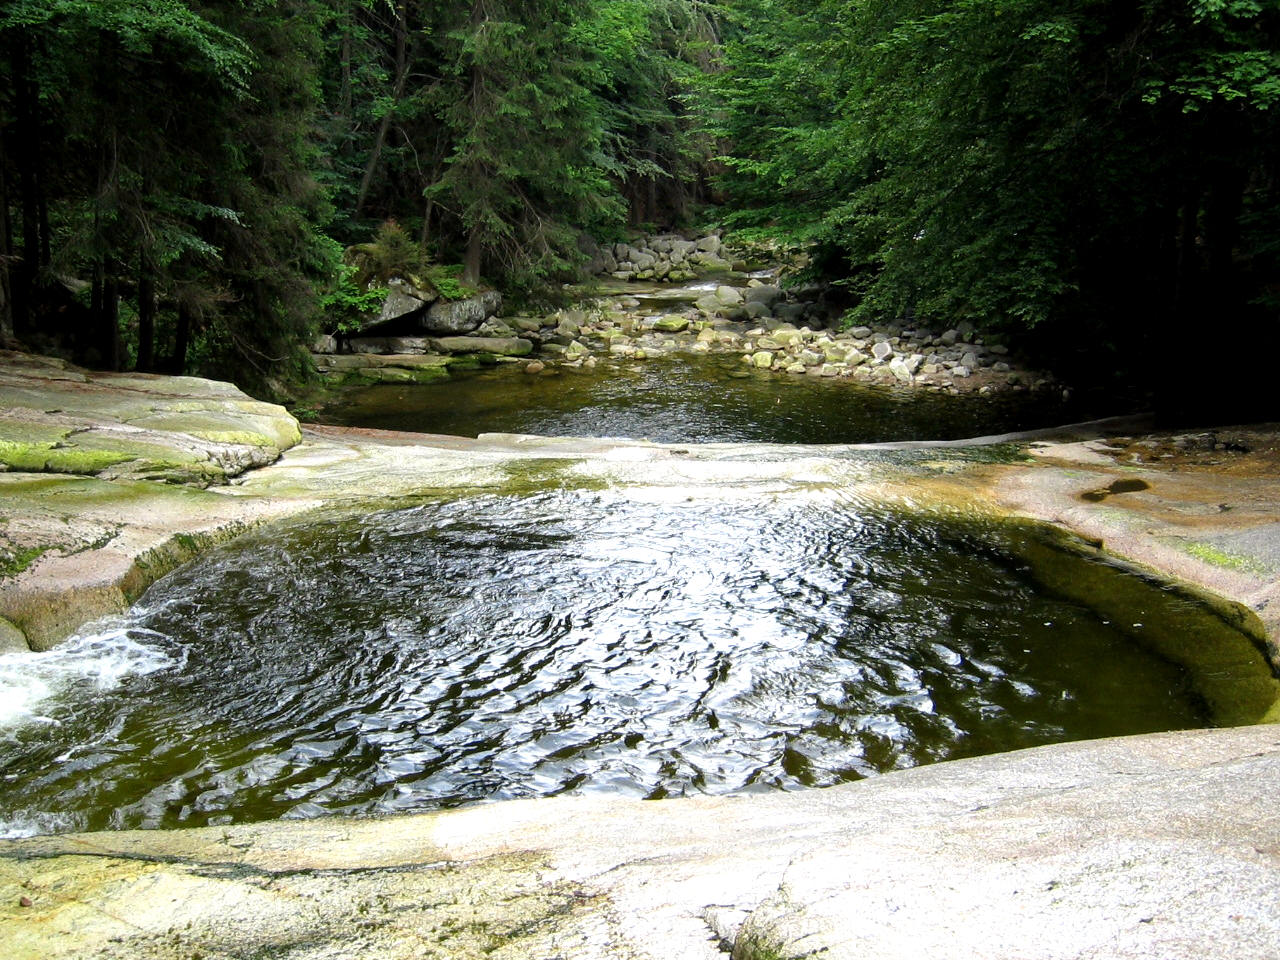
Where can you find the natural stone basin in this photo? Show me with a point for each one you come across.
(687, 399)
(649, 642)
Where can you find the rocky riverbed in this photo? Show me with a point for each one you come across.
(670, 296)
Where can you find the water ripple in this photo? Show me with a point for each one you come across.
(499, 647)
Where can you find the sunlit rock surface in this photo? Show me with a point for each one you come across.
(1156, 846)
(56, 418)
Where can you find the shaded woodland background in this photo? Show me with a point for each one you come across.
(1095, 179)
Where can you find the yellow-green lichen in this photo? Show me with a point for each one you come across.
(1227, 561)
(51, 458)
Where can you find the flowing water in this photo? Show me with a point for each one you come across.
(688, 399)
(499, 646)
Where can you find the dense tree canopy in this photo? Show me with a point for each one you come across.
(1104, 173)
(180, 177)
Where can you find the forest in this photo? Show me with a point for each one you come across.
(181, 180)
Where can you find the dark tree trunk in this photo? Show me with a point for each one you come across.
(181, 341)
(26, 159)
(397, 92)
(146, 317)
(109, 325)
(472, 263)
(46, 249)
(6, 256)
(425, 236)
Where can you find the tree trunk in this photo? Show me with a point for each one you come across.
(109, 325)
(6, 256)
(345, 94)
(146, 317)
(26, 103)
(397, 92)
(181, 341)
(427, 211)
(475, 253)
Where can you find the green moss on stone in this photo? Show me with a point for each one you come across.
(14, 561)
(1221, 644)
(50, 458)
(1228, 561)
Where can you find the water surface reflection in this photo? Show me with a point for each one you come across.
(504, 646)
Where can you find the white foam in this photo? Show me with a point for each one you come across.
(35, 825)
(104, 655)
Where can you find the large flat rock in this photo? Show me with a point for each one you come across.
(1163, 846)
(56, 418)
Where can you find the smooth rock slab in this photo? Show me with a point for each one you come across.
(1161, 846)
(498, 346)
(60, 419)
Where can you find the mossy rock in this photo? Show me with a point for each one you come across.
(12, 640)
(53, 458)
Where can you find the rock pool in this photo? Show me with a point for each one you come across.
(648, 642)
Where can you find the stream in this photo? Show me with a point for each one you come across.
(499, 646)
(575, 636)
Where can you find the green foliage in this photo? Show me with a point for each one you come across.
(169, 141)
(447, 280)
(347, 305)
(392, 253)
(1101, 168)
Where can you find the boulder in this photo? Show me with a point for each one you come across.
(728, 296)
(791, 312)
(882, 351)
(461, 316)
(671, 324)
(493, 327)
(57, 418)
(710, 244)
(405, 299)
(762, 359)
(389, 345)
(12, 640)
(766, 294)
(498, 346)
